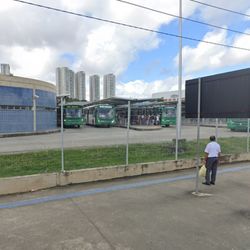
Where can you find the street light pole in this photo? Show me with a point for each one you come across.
(178, 122)
(62, 153)
(62, 146)
(198, 138)
(34, 110)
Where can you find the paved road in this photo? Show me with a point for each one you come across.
(154, 212)
(91, 136)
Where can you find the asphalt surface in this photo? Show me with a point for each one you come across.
(91, 136)
(153, 212)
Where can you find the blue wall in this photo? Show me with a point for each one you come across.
(15, 96)
(46, 99)
(45, 120)
(14, 120)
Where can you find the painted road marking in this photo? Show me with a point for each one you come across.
(22, 203)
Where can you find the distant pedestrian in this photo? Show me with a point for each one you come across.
(157, 120)
(212, 154)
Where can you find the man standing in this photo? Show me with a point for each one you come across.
(212, 154)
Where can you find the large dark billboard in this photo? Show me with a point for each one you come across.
(224, 95)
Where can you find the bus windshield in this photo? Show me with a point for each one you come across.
(168, 112)
(105, 113)
(73, 113)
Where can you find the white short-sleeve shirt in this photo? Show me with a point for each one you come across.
(213, 149)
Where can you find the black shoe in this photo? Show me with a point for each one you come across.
(205, 183)
(212, 183)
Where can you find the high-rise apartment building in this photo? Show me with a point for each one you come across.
(80, 86)
(5, 69)
(94, 88)
(65, 81)
(109, 85)
(72, 84)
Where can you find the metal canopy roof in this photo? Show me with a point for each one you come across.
(122, 101)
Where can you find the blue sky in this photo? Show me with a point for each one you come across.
(36, 41)
(158, 63)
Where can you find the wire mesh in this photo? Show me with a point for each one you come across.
(91, 147)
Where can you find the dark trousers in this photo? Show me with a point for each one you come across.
(211, 166)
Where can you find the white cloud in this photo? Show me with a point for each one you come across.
(34, 41)
(248, 13)
(7, 5)
(143, 89)
(204, 55)
(109, 49)
(220, 17)
(24, 60)
(207, 56)
(96, 46)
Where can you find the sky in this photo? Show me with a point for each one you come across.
(34, 41)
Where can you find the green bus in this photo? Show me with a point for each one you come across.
(147, 115)
(100, 115)
(237, 124)
(72, 116)
(167, 115)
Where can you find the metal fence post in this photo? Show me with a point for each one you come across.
(248, 121)
(216, 128)
(128, 125)
(198, 138)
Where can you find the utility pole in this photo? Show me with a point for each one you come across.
(178, 120)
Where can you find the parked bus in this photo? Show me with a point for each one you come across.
(237, 124)
(147, 115)
(100, 115)
(167, 115)
(72, 116)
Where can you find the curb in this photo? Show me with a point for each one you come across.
(29, 133)
(141, 128)
(21, 184)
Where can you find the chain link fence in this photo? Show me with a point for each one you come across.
(91, 147)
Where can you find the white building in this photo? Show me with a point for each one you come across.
(94, 88)
(72, 84)
(80, 86)
(5, 69)
(169, 95)
(65, 81)
(109, 83)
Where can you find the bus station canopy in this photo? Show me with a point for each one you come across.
(118, 101)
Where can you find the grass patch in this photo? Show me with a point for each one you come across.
(50, 160)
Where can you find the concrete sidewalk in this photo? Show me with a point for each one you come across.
(157, 212)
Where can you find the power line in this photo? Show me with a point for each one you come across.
(130, 26)
(220, 8)
(184, 18)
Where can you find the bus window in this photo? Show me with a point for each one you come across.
(73, 113)
(106, 113)
(170, 112)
